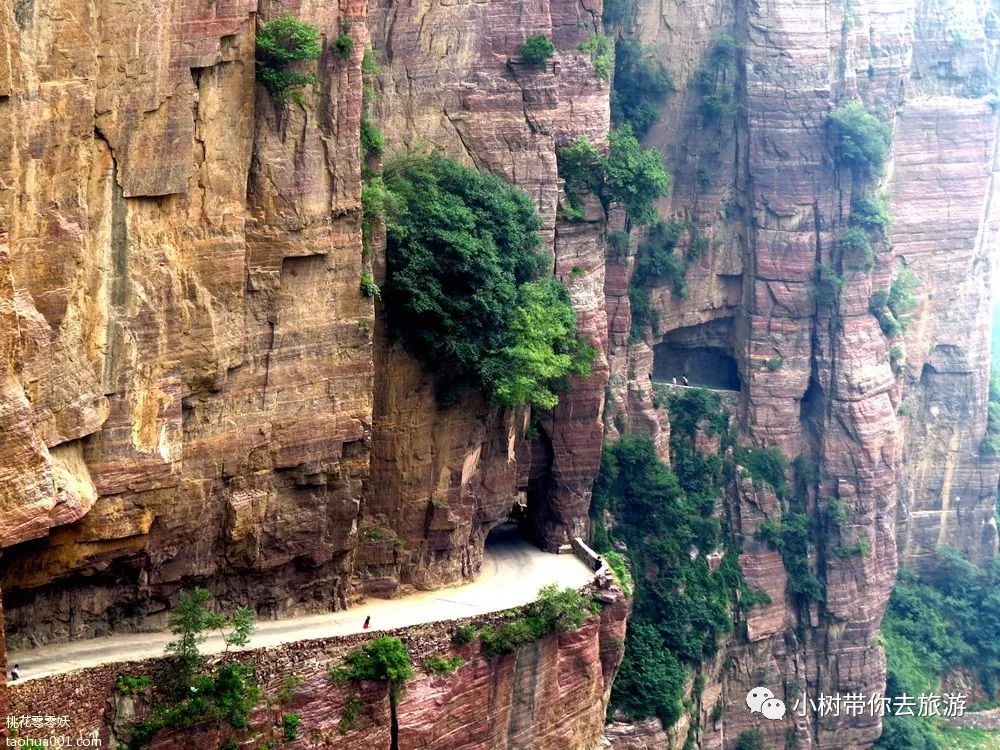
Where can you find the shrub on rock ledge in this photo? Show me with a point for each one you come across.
(465, 290)
(860, 141)
(280, 43)
(537, 49)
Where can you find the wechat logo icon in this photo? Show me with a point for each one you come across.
(760, 700)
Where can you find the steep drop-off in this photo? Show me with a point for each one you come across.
(194, 388)
(889, 430)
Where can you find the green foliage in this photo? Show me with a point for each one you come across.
(127, 684)
(949, 618)
(870, 213)
(629, 175)
(715, 82)
(641, 84)
(436, 664)
(282, 42)
(371, 65)
(544, 349)
(375, 200)
(581, 166)
(191, 621)
(791, 536)
(602, 54)
(288, 685)
(681, 606)
(658, 257)
(461, 292)
(836, 513)
(644, 315)
(860, 548)
(902, 296)
(892, 308)
(620, 569)
(555, 610)
(290, 726)
(350, 713)
(692, 407)
(620, 244)
(510, 636)
(562, 610)
(635, 176)
(343, 45)
(383, 659)
(991, 440)
(368, 286)
(717, 106)
(906, 733)
(775, 363)
(725, 51)
(372, 140)
(464, 634)
(537, 49)
(619, 12)
(767, 465)
(857, 248)
(227, 695)
(751, 739)
(651, 679)
(827, 284)
(860, 141)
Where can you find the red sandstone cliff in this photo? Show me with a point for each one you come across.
(549, 695)
(193, 388)
(194, 371)
(762, 185)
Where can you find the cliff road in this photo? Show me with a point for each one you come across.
(512, 573)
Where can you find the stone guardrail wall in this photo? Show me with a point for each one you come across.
(590, 558)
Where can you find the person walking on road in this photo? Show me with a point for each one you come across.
(368, 621)
(15, 673)
(684, 379)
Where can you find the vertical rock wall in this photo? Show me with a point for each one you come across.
(762, 185)
(441, 477)
(190, 397)
(191, 370)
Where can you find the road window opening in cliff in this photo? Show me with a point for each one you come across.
(705, 366)
(699, 355)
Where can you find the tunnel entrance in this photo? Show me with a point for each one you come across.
(701, 353)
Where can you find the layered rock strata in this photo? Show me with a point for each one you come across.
(549, 694)
(192, 369)
(191, 389)
(884, 427)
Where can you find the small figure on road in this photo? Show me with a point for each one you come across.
(684, 378)
(15, 673)
(673, 381)
(368, 621)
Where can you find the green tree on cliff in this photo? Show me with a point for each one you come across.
(467, 291)
(283, 42)
(860, 141)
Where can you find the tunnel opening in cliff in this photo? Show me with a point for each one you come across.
(701, 353)
(535, 517)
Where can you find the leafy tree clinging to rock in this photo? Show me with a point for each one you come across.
(860, 141)
(282, 42)
(193, 694)
(466, 290)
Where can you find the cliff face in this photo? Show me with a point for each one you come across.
(192, 369)
(550, 694)
(453, 80)
(193, 388)
(888, 426)
(191, 396)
